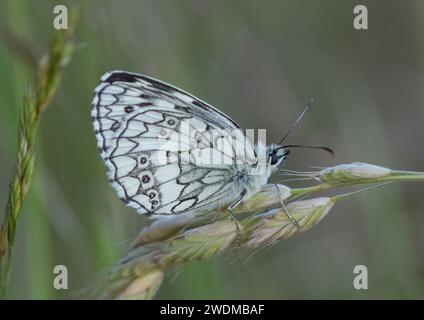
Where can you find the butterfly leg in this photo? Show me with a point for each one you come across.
(231, 207)
(293, 220)
(238, 201)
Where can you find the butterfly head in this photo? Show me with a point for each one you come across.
(276, 155)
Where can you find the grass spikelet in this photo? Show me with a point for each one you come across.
(36, 100)
(176, 240)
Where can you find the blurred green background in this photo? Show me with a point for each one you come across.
(260, 62)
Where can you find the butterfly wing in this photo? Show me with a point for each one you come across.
(157, 142)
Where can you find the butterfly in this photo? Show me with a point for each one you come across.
(168, 152)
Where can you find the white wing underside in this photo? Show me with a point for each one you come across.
(152, 162)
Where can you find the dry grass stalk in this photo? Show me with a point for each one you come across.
(176, 240)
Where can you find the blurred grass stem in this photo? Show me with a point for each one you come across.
(36, 100)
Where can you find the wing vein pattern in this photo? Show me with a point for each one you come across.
(154, 139)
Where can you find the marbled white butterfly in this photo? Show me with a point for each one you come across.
(168, 152)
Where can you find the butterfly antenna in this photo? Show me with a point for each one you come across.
(329, 150)
(297, 121)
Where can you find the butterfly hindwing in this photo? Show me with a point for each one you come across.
(144, 133)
